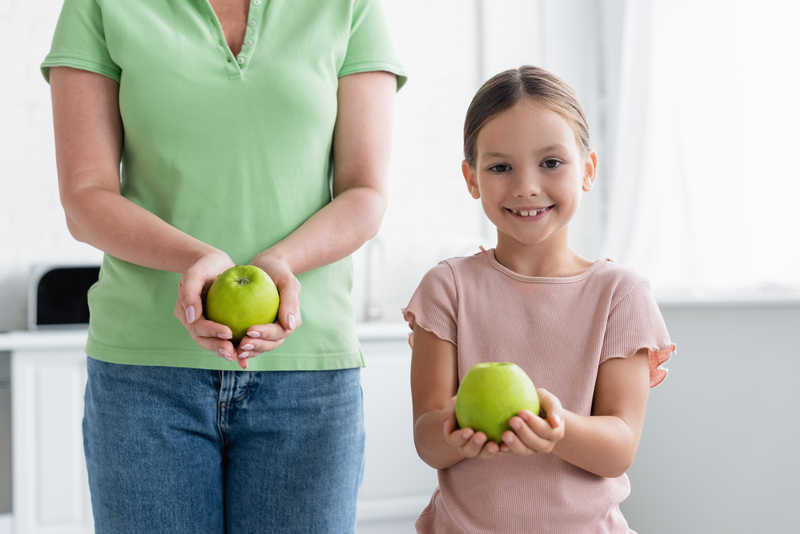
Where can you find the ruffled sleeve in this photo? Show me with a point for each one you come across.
(434, 304)
(635, 323)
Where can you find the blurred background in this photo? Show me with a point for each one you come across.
(694, 111)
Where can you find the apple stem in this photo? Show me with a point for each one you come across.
(242, 281)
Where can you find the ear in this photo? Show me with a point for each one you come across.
(471, 177)
(590, 171)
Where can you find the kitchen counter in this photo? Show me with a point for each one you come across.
(76, 339)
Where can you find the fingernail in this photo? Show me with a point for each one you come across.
(224, 336)
(190, 314)
(248, 347)
(558, 419)
(291, 322)
(244, 355)
(515, 425)
(477, 439)
(225, 353)
(465, 434)
(509, 439)
(246, 364)
(254, 334)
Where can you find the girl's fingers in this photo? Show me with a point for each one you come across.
(550, 408)
(458, 437)
(489, 450)
(529, 432)
(480, 446)
(449, 419)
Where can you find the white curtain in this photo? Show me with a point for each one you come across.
(704, 192)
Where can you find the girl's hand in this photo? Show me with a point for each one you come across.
(468, 442)
(267, 337)
(189, 307)
(533, 434)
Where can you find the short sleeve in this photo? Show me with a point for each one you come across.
(434, 304)
(636, 323)
(370, 46)
(80, 42)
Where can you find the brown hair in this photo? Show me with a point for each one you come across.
(505, 90)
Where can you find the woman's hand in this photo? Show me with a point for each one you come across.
(189, 307)
(267, 337)
(468, 442)
(533, 434)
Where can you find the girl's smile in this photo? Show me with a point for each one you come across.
(530, 213)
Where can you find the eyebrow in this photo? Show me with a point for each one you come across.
(549, 148)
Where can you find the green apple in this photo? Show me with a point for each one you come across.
(241, 297)
(491, 394)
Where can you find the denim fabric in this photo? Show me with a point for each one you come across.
(178, 450)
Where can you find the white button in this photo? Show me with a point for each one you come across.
(257, 2)
(248, 42)
(251, 23)
(240, 60)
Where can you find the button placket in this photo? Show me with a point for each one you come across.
(254, 13)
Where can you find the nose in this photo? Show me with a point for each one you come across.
(527, 184)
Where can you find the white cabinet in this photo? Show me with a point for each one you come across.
(396, 482)
(50, 486)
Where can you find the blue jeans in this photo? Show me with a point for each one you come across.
(193, 451)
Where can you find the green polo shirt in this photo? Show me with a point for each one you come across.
(233, 150)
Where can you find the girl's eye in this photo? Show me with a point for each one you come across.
(551, 163)
(500, 167)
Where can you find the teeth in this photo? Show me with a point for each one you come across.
(529, 213)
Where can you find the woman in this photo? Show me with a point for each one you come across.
(192, 136)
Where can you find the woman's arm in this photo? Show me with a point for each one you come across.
(604, 443)
(361, 147)
(434, 383)
(88, 139)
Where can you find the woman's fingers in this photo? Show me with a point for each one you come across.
(289, 310)
(190, 305)
(288, 288)
(250, 348)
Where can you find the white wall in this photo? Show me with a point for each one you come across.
(32, 227)
(719, 449)
(447, 52)
(449, 49)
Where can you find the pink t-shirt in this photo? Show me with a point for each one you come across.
(559, 330)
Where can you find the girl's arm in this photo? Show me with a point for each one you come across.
(604, 443)
(361, 148)
(88, 139)
(434, 383)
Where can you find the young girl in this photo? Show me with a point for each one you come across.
(589, 334)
